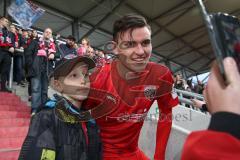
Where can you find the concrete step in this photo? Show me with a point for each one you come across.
(13, 132)
(5, 94)
(11, 97)
(20, 107)
(14, 114)
(12, 102)
(14, 122)
(9, 155)
(11, 143)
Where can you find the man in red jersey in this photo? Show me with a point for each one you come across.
(136, 84)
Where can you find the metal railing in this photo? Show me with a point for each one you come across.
(186, 96)
(10, 83)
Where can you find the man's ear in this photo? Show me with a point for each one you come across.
(115, 48)
(111, 47)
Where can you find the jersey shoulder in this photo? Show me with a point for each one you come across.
(159, 71)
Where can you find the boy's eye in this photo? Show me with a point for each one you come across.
(74, 75)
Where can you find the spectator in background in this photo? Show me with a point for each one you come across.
(99, 58)
(6, 50)
(190, 85)
(40, 55)
(18, 73)
(199, 87)
(90, 52)
(84, 47)
(34, 35)
(76, 46)
(179, 82)
(30, 32)
(24, 38)
(27, 40)
(24, 42)
(68, 48)
(19, 31)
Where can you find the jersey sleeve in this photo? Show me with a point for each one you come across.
(168, 99)
(39, 142)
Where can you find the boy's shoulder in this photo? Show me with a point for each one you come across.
(44, 115)
(46, 111)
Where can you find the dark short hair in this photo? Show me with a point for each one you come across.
(3, 17)
(70, 37)
(128, 22)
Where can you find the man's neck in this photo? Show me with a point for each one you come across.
(69, 46)
(46, 39)
(125, 72)
(122, 70)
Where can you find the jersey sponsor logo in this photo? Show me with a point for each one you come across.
(150, 92)
(127, 117)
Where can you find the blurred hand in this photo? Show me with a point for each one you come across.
(11, 50)
(58, 36)
(51, 56)
(218, 95)
(197, 103)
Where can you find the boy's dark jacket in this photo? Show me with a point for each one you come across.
(49, 136)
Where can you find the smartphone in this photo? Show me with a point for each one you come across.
(227, 30)
(224, 34)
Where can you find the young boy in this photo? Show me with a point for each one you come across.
(61, 130)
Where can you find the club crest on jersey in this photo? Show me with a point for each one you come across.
(150, 92)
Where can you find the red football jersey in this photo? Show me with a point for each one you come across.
(135, 94)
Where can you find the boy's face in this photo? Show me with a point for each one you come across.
(76, 84)
(134, 49)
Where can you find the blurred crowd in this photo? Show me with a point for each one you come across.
(188, 85)
(34, 56)
(21, 40)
